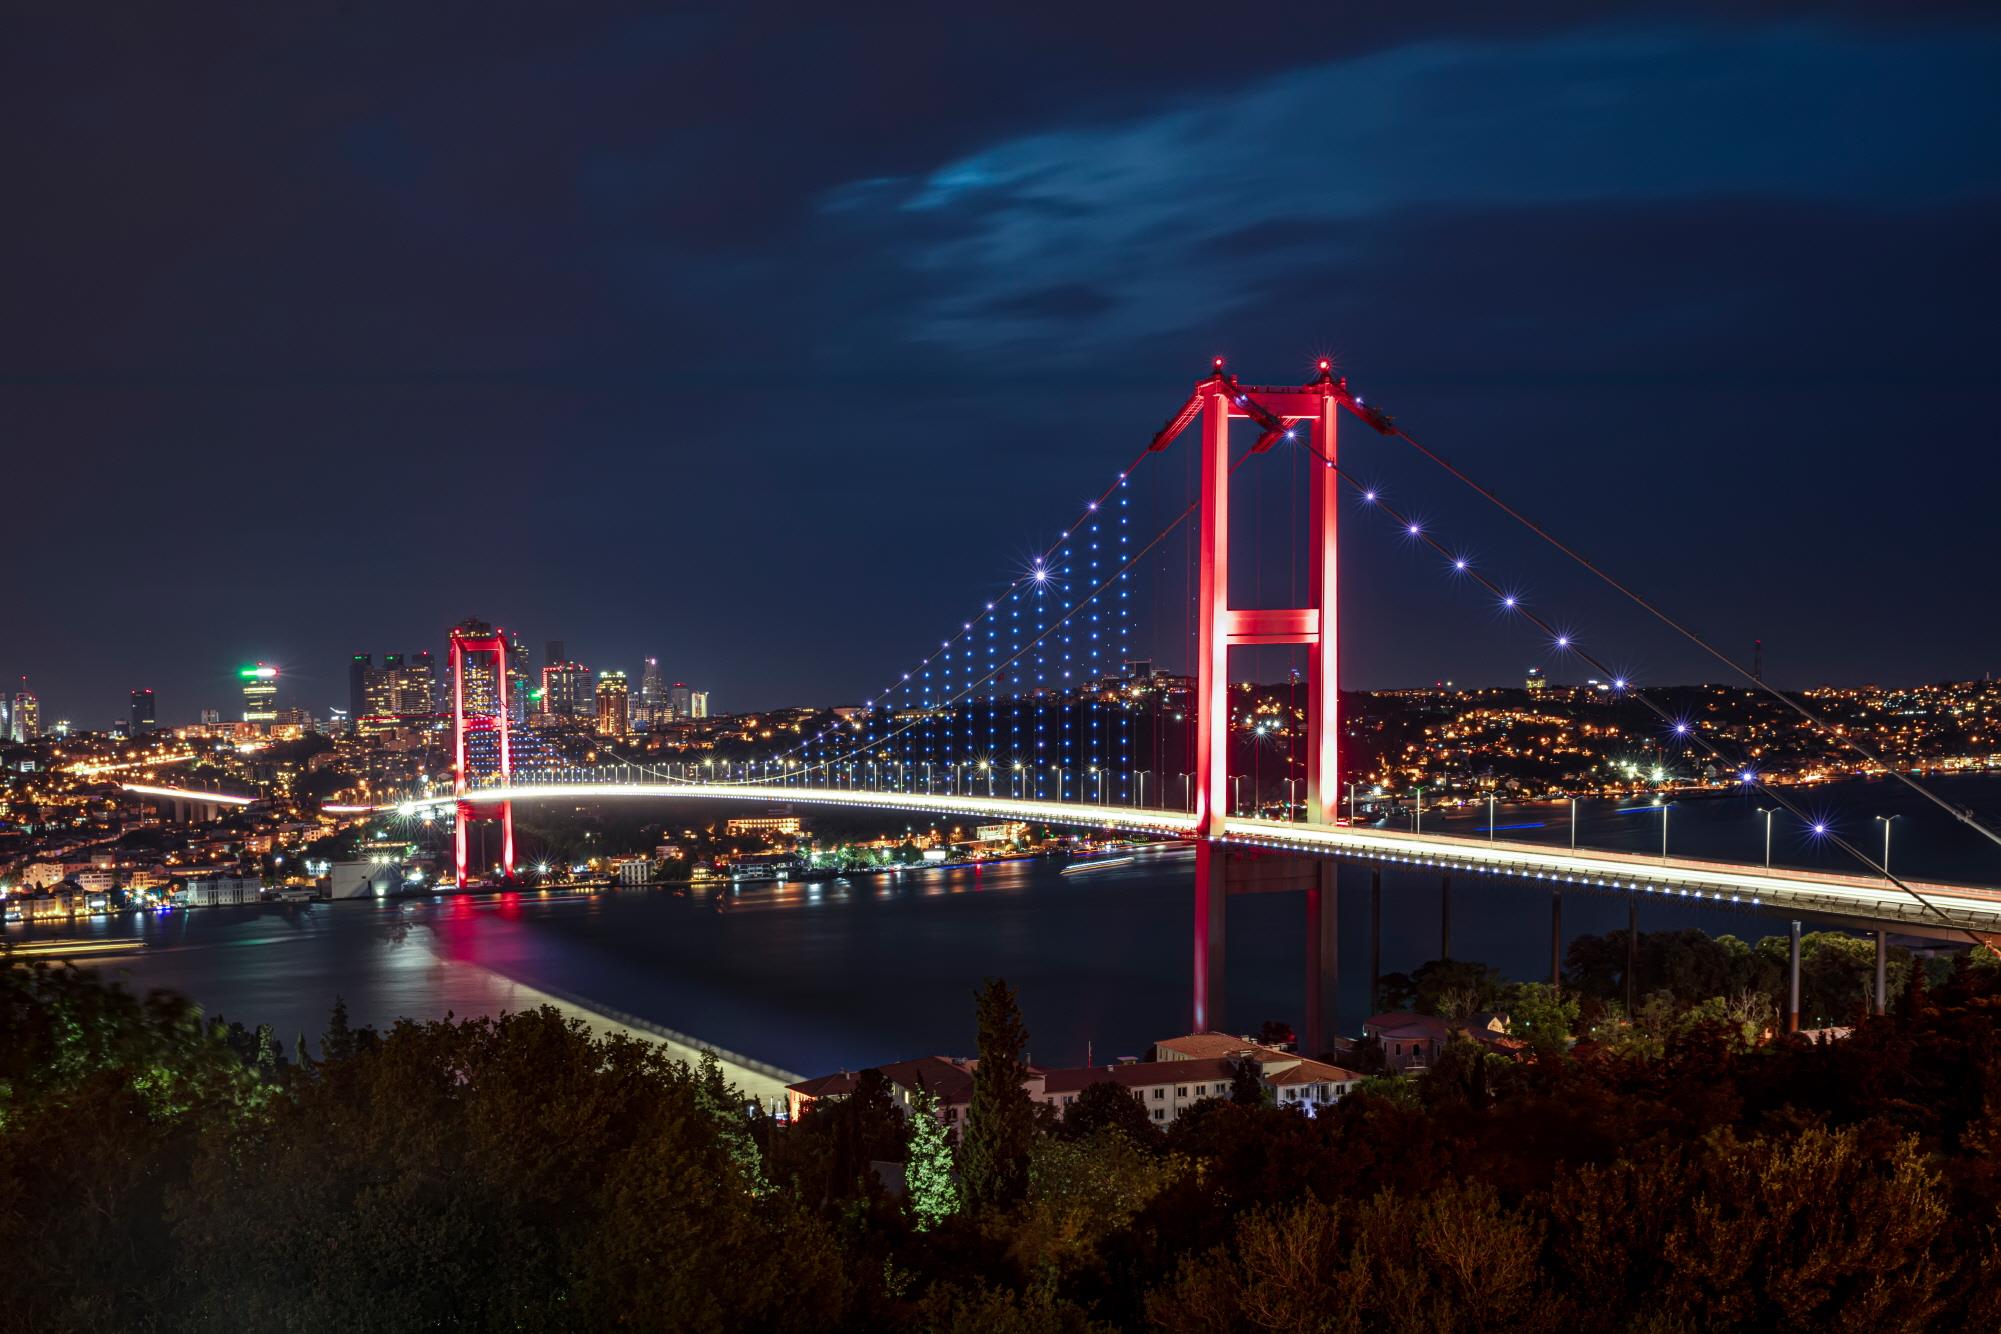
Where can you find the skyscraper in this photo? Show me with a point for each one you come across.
(698, 703)
(518, 677)
(260, 693)
(27, 713)
(567, 690)
(680, 699)
(417, 691)
(142, 711)
(652, 694)
(613, 704)
(482, 690)
(359, 668)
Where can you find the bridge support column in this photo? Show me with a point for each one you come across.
(1212, 897)
(1632, 950)
(1445, 917)
(1323, 960)
(1882, 970)
(1375, 940)
(1556, 941)
(1793, 984)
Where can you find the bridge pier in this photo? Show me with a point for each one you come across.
(1632, 949)
(1556, 941)
(1375, 939)
(1211, 903)
(1220, 873)
(1445, 917)
(1323, 960)
(1793, 987)
(1882, 969)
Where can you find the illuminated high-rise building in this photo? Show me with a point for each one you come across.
(680, 699)
(211, 717)
(260, 693)
(567, 690)
(384, 683)
(652, 694)
(518, 677)
(417, 689)
(482, 691)
(27, 713)
(143, 718)
(359, 668)
(613, 704)
(401, 690)
(698, 703)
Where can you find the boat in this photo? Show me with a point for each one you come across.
(1096, 864)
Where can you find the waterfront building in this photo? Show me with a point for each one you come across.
(143, 719)
(739, 825)
(1412, 1041)
(1166, 1088)
(613, 704)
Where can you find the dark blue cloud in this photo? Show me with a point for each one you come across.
(651, 332)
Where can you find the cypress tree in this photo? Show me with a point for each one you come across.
(928, 1174)
(993, 1159)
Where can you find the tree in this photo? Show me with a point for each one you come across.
(1276, 1033)
(993, 1160)
(1247, 1085)
(723, 1104)
(1540, 1015)
(337, 1044)
(1107, 1105)
(1455, 987)
(927, 1175)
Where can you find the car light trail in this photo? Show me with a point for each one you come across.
(187, 794)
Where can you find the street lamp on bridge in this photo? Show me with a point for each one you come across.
(1886, 839)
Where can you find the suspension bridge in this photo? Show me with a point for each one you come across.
(1043, 706)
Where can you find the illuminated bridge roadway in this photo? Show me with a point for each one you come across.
(1827, 895)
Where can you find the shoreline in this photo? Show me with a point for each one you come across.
(759, 1080)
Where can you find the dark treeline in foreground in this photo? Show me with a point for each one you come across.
(161, 1173)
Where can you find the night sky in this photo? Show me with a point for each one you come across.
(766, 341)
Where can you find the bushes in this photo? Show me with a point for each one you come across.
(159, 1173)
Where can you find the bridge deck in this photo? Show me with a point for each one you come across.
(1816, 893)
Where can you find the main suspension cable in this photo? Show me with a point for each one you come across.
(1963, 814)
